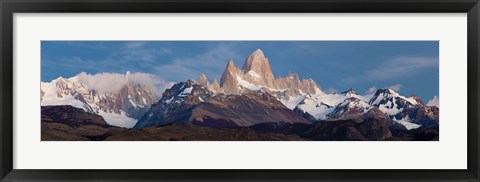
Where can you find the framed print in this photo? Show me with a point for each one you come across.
(239, 91)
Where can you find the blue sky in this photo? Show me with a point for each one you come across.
(408, 66)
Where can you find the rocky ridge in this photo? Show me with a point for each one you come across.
(120, 108)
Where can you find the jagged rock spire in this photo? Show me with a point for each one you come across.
(202, 80)
(257, 70)
(257, 73)
(254, 61)
(228, 81)
(231, 64)
(215, 86)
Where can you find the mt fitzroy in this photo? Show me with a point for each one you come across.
(251, 95)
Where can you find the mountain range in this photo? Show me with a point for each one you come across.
(249, 97)
(121, 107)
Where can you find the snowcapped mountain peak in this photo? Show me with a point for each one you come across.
(181, 96)
(382, 94)
(190, 82)
(305, 95)
(391, 91)
(349, 92)
(63, 82)
(59, 79)
(417, 99)
(385, 91)
(256, 75)
(116, 97)
(350, 108)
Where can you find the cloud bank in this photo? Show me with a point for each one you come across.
(395, 87)
(395, 68)
(433, 102)
(113, 82)
(402, 66)
(371, 90)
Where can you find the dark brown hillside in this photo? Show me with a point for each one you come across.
(66, 123)
(70, 115)
(186, 132)
(243, 111)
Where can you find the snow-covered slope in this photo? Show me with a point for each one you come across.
(306, 96)
(175, 105)
(256, 75)
(124, 100)
(333, 106)
(390, 102)
(120, 106)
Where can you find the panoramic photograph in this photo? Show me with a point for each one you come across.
(239, 91)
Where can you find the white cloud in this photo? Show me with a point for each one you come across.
(402, 66)
(113, 82)
(371, 90)
(433, 102)
(395, 68)
(331, 90)
(212, 63)
(395, 87)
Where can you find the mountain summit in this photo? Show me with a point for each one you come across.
(257, 75)
(119, 107)
(243, 98)
(306, 97)
(256, 70)
(229, 78)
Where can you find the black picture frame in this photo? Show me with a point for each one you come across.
(9, 7)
